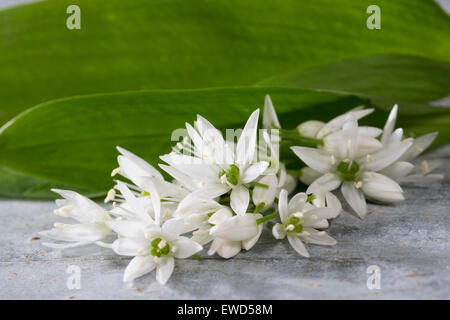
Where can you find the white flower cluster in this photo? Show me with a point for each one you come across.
(222, 191)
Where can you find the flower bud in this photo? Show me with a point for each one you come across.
(310, 128)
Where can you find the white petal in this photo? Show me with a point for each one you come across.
(266, 195)
(337, 123)
(297, 203)
(184, 179)
(333, 203)
(322, 213)
(78, 232)
(127, 228)
(254, 171)
(164, 269)
(327, 182)
(142, 167)
(278, 231)
(237, 228)
(239, 199)
(248, 244)
(318, 237)
(390, 125)
(215, 245)
(246, 145)
(172, 228)
(129, 246)
(350, 136)
(386, 156)
(310, 128)
(185, 248)
(298, 245)
(366, 145)
(398, 170)
(308, 175)
(369, 131)
(229, 249)
(137, 267)
(84, 210)
(283, 205)
(317, 159)
(220, 216)
(270, 118)
(196, 203)
(419, 145)
(379, 187)
(290, 183)
(64, 245)
(355, 198)
(137, 209)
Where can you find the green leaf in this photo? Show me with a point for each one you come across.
(158, 44)
(413, 83)
(72, 140)
(15, 184)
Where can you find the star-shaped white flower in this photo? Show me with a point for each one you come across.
(403, 170)
(352, 160)
(215, 166)
(300, 221)
(92, 220)
(153, 247)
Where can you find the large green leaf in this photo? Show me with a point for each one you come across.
(156, 44)
(72, 140)
(412, 82)
(16, 184)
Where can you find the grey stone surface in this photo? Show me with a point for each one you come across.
(408, 241)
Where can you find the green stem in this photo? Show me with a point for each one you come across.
(295, 138)
(261, 185)
(259, 207)
(267, 218)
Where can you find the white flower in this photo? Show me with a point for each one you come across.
(91, 217)
(319, 130)
(300, 221)
(265, 192)
(153, 247)
(270, 121)
(225, 168)
(230, 233)
(403, 171)
(144, 177)
(349, 162)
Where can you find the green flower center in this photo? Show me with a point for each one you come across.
(159, 250)
(348, 170)
(232, 174)
(297, 227)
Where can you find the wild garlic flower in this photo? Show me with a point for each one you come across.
(212, 222)
(153, 247)
(300, 221)
(144, 178)
(232, 233)
(319, 130)
(92, 218)
(271, 122)
(403, 170)
(215, 166)
(352, 161)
